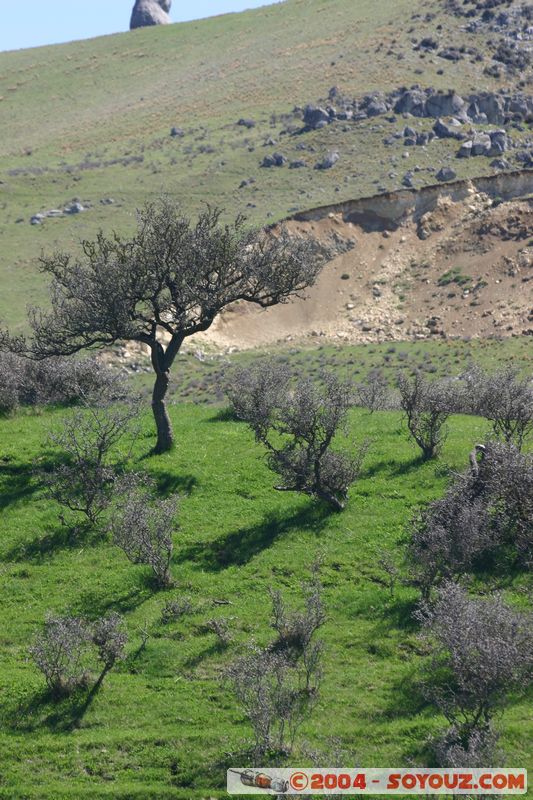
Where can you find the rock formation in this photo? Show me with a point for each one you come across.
(150, 12)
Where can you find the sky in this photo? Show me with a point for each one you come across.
(31, 23)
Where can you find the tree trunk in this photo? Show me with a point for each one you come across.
(165, 438)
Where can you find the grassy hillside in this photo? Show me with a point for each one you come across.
(163, 724)
(91, 120)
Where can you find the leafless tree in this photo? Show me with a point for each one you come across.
(266, 685)
(486, 509)
(374, 393)
(110, 637)
(483, 650)
(297, 422)
(167, 282)
(88, 439)
(65, 381)
(504, 398)
(61, 652)
(142, 526)
(427, 405)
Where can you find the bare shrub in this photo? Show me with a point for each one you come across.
(375, 394)
(110, 637)
(470, 749)
(502, 397)
(61, 652)
(485, 510)
(427, 405)
(175, 609)
(267, 687)
(65, 381)
(297, 423)
(87, 440)
(142, 526)
(220, 627)
(483, 651)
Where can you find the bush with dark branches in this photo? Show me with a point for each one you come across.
(268, 689)
(67, 649)
(172, 277)
(142, 526)
(87, 441)
(296, 629)
(374, 393)
(61, 652)
(483, 650)
(486, 510)
(427, 405)
(64, 381)
(297, 421)
(504, 398)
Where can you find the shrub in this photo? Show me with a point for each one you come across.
(65, 650)
(84, 483)
(297, 424)
(296, 629)
(220, 627)
(142, 526)
(503, 398)
(110, 638)
(66, 381)
(427, 406)
(485, 510)
(174, 609)
(469, 749)
(61, 651)
(483, 651)
(267, 688)
(375, 393)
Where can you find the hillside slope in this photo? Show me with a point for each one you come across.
(90, 121)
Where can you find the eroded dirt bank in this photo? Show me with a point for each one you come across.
(449, 260)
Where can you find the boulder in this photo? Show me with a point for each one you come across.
(446, 174)
(274, 160)
(499, 143)
(150, 12)
(376, 108)
(413, 101)
(493, 106)
(481, 144)
(445, 130)
(465, 151)
(328, 162)
(444, 105)
(316, 117)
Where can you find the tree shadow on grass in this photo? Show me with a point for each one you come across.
(239, 547)
(168, 483)
(58, 714)
(225, 414)
(60, 538)
(407, 699)
(93, 604)
(393, 468)
(18, 481)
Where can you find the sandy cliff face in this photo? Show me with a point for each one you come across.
(451, 260)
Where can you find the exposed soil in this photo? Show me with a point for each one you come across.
(462, 269)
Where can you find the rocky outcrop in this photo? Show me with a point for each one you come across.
(150, 12)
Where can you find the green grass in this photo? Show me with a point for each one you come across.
(163, 725)
(202, 381)
(103, 130)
